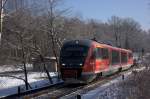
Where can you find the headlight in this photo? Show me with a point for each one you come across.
(63, 64)
(80, 64)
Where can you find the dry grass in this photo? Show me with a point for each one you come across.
(137, 86)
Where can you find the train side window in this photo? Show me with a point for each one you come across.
(123, 57)
(104, 53)
(115, 57)
(99, 53)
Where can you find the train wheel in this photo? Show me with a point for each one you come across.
(88, 79)
(98, 76)
(120, 69)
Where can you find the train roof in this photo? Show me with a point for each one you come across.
(117, 48)
(84, 42)
(112, 47)
(88, 43)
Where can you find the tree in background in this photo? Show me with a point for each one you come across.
(131, 29)
(53, 27)
(2, 6)
(116, 26)
(42, 32)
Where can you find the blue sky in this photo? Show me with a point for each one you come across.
(102, 10)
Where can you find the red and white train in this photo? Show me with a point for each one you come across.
(84, 60)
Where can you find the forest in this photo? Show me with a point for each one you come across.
(32, 30)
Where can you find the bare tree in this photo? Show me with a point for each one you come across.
(53, 26)
(115, 24)
(19, 36)
(131, 29)
(2, 5)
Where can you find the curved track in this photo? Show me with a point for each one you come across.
(73, 90)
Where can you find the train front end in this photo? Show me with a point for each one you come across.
(73, 58)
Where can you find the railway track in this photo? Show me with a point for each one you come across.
(66, 90)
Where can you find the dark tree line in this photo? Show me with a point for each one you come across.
(42, 32)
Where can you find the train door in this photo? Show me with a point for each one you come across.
(130, 58)
(115, 60)
(124, 60)
(110, 59)
(105, 59)
(97, 59)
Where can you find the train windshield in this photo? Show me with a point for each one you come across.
(76, 51)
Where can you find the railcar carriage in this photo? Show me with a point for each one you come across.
(84, 60)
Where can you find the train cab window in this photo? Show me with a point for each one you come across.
(115, 57)
(77, 51)
(123, 57)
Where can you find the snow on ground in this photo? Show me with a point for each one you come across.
(6, 68)
(106, 90)
(9, 85)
